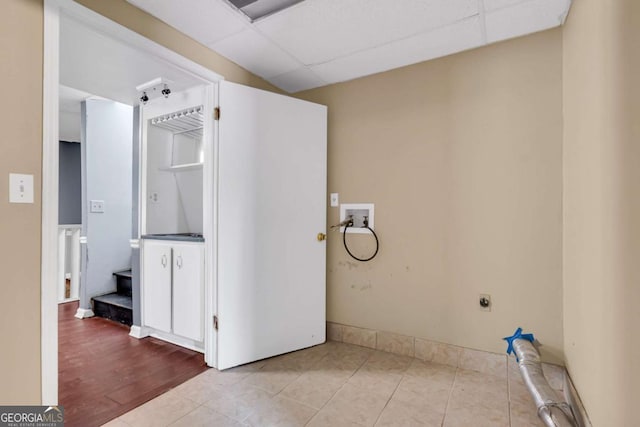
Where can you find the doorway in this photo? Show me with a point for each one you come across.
(109, 61)
(264, 195)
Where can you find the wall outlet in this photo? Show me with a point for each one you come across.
(153, 197)
(97, 206)
(358, 211)
(484, 301)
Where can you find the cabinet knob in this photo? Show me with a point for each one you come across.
(321, 237)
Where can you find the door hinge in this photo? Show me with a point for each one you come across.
(215, 322)
(216, 113)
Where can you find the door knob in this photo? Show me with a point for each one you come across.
(321, 237)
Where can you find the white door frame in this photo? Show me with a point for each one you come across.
(53, 9)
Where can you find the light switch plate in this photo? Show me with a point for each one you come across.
(334, 200)
(97, 206)
(20, 188)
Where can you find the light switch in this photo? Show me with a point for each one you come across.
(334, 200)
(20, 188)
(97, 206)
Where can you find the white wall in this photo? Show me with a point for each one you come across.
(164, 212)
(107, 172)
(178, 206)
(69, 126)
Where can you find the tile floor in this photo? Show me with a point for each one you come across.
(337, 384)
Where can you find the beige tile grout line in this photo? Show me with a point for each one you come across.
(446, 408)
(389, 400)
(341, 387)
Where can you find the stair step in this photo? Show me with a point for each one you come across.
(115, 307)
(123, 273)
(124, 282)
(115, 299)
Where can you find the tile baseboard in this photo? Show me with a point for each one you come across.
(422, 349)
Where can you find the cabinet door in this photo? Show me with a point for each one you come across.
(188, 291)
(156, 283)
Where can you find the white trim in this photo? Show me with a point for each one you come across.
(176, 339)
(183, 168)
(62, 246)
(142, 182)
(53, 9)
(138, 332)
(49, 245)
(70, 226)
(209, 203)
(84, 313)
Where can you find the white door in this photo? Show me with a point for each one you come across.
(188, 290)
(156, 272)
(271, 205)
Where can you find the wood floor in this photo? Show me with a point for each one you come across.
(103, 372)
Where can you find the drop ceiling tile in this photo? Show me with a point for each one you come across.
(317, 31)
(499, 4)
(525, 18)
(253, 52)
(297, 80)
(206, 21)
(457, 37)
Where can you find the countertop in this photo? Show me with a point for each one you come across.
(179, 237)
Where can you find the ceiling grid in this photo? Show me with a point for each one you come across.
(318, 42)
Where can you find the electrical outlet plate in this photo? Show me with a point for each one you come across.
(488, 297)
(358, 211)
(20, 188)
(334, 200)
(97, 206)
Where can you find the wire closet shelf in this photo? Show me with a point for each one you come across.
(188, 122)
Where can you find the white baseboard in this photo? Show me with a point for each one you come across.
(84, 313)
(138, 332)
(177, 340)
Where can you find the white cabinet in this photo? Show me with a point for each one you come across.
(173, 288)
(263, 200)
(156, 266)
(188, 291)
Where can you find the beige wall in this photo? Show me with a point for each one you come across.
(20, 152)
(602, 207)
(462, 158)
(21, 44)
